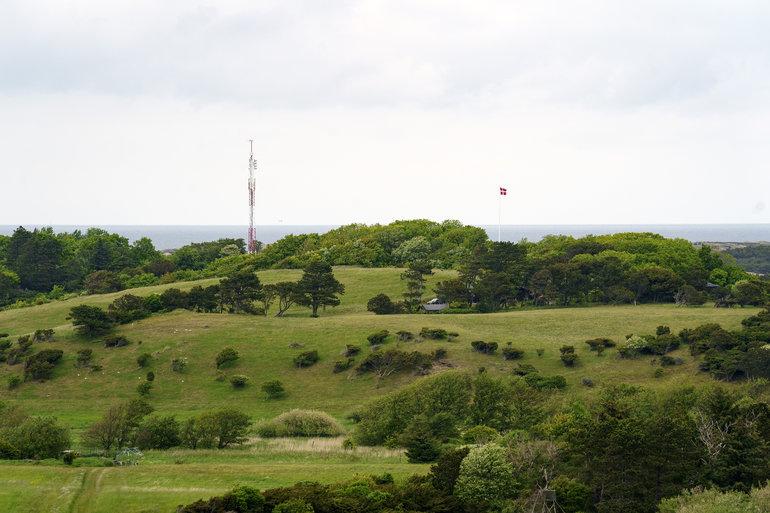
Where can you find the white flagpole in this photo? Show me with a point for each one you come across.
(499, 215)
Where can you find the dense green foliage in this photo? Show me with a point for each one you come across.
(619, 268)
(26, 437)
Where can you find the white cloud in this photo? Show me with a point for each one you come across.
(592, 111)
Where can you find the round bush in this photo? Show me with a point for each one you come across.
(239, 381)
(301, 423)
(486, 476)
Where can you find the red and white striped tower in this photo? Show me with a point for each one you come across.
(252, 245)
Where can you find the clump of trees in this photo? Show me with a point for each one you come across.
(30, 437)
(130, 424)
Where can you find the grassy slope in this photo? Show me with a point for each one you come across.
(78, 397)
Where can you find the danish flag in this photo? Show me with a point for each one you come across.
(503, 191)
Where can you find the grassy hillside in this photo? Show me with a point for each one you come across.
(166, 479)
(79, 396)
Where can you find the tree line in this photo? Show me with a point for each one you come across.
(563, 271)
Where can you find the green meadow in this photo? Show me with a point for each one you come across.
(267, 346)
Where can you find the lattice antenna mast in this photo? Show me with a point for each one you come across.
(252, 245)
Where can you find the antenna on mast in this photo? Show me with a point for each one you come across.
(252, 238)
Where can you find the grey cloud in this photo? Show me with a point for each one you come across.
(311, 54)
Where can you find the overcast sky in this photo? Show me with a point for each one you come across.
(589, 111)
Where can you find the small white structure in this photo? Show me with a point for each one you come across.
(434, 305)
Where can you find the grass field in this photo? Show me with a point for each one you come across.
(166, 479)
(78, 397)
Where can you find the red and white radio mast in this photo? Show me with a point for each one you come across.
(252, 245)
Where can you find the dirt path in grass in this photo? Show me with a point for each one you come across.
(89, 489)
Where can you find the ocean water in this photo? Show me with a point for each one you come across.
(171, 237)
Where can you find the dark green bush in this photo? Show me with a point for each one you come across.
(378, 337)
(84, 358)
(434, 333)
(227, 357)
(14, 381)
(662, 330)
(239, 381)
(512, 353)
(128, 308)
(40, 365)
(421, 446)
(179, 364)
(385, 363)
(667, 361)
(157, 432)
(597, 344)
(351, 350)
(444, 474)
(45, 335)
(273, 389)
(439, 353)
(150, 376)
(484, 347)
(381, 304)
(342, 365)
(306, 359)
(404, 336)
(144, 388)
(522, 369)
(143, 360)
(115, 341)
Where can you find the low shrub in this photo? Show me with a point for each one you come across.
(84, 358)
(273, 389)
(434, 333)
(404, 336)
(342, 366)
(569, 359)
(394, 361)
(381, 304)
(512, 353)
(144, 389)
(150, 376)
(568, 356)
(351, 350)
(378, 337)
(439, 353)
(227, 357)
(179, 364)
(40, 365)
(522, 369)
(662, 330)
(239, 381)
(143, 360)
(306, 359)
(115, 341)
(599, 344)
(14, 381)
(668, 361)
(45, 335)
(587, 382)
(301, 423)
(484, 347)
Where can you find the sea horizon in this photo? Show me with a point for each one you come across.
(168, 237)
